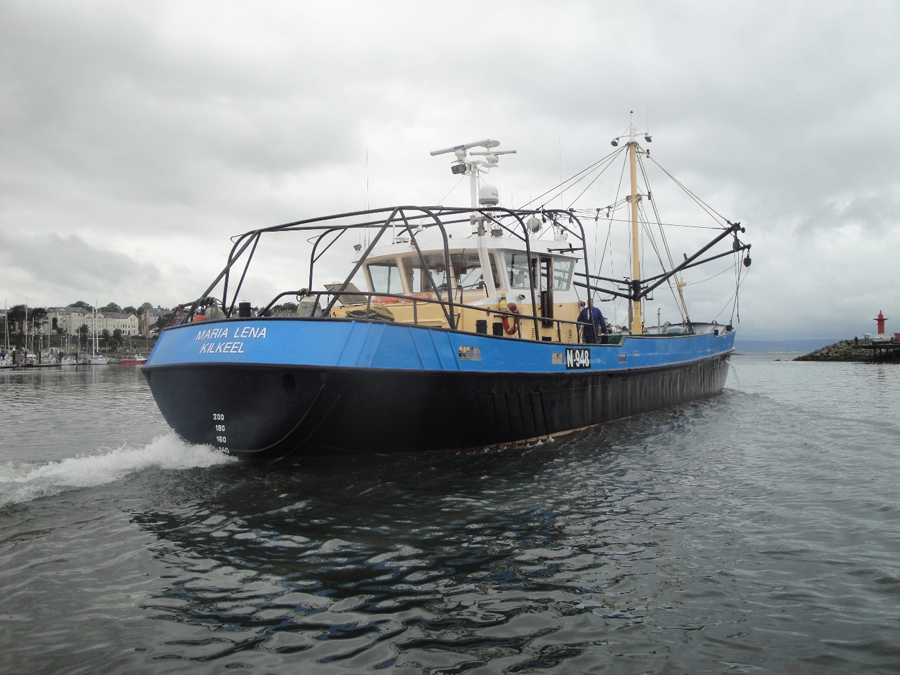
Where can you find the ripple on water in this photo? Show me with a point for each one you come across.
(727, 535)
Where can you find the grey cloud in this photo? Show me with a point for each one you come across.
(69, 265)
(177, 124)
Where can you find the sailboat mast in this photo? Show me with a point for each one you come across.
(637, 319)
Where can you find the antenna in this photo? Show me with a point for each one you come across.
(464, 165)
(486, 143)
(487, 196)
(632, 131)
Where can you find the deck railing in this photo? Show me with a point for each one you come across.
(370, 314)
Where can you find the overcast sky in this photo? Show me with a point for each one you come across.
(136, 138)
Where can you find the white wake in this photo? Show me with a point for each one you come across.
(24, 481)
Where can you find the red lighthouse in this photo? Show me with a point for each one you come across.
(880, 319)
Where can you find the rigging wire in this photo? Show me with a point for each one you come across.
(648, 233)
(679, 300)
(739, 271)
(703, 205)
(591, 174)
(441, 202)
(571, 179)
(736, 298)
(596, 178)
(730, 268)
(618, 203)
(589, 212)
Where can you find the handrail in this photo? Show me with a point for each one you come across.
(414, 300)
(325, 232)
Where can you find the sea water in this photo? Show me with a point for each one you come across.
(754, 532)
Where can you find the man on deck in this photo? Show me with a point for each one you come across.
(592, 329)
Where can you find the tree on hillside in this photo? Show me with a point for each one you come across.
(17, 319)
(130, 310)
(145, 306)
(111, 307)
(83, 305)
(37, 316)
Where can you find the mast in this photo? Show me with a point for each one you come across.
(637, 319)
(479, 225)
(635, 314)
(6, 325)
(474, 168)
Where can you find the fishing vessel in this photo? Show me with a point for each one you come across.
(452, 328)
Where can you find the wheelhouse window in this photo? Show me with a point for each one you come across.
(416, 274)
(562, 274)
(466, 274)
(517, 269)
(384, 276)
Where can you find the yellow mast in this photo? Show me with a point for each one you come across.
(637, 319)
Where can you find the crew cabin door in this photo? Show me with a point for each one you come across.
(542, 273)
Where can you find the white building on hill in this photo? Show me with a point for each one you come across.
(70, 319)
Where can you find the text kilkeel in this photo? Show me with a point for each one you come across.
(222, 348)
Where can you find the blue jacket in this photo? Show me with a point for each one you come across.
(592, 329)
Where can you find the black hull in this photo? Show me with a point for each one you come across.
(290, 413)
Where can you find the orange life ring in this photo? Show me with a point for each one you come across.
(511, 323)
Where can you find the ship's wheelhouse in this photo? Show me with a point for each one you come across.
(537, 283)
(513, 272)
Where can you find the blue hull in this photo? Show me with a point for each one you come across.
(289, 388)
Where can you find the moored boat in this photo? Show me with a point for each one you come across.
(458, 342)
(96, 358)
(136, 360)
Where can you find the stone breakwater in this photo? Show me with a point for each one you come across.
(841, 351)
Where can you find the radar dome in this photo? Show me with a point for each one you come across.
(489, 195)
